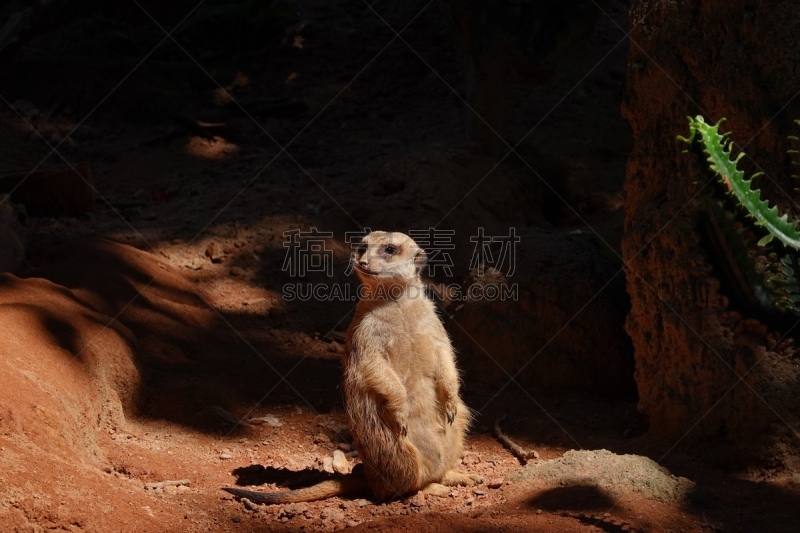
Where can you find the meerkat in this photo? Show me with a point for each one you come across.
(401, 384)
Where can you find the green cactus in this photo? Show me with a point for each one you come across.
(774, 272)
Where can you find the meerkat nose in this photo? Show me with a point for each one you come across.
(364, 263)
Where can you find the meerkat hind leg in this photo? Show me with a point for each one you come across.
(435, 489)
(452, 478)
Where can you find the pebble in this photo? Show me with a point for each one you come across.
(270, 420)
(293, 509)
(472, 459)
(495, 483)
(417, 500)
(340, 463)
(225, 456)
(249, 505)
(321, 438)
(327, 465)
(238, 271)
(332, 514)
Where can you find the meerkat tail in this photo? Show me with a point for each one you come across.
(327, 489)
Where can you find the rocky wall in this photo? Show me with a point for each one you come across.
(705, 368)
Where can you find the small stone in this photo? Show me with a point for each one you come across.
(335, 347)
(293, 509)
(417, 500)
(321, 438)
(340, 463)
(332, 514)
(327, 465)
(495, 483)
(352, 523)
(249, 505)
(214, 253)
(344, 447)
(479, 492)
(238, 272)
(193, 264)
(225, 456)
(471, 459)
(270, 420)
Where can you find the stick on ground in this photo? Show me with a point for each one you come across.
(515, 448)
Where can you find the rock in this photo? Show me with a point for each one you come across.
(340, 463)
(270, 420)
(417, 500)
(238, 271)
(602, 468)
(332, 514)
(293, 509)
(214, 253)
(327, 464)
(691, 342)
(495, 483)
(321, 438)
(250, 506)
(471, 459)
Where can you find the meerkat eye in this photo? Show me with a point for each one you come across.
(390, 249)
(361, 249)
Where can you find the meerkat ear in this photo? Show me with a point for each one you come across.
(420, 258)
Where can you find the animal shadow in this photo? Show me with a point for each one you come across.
(282, 477)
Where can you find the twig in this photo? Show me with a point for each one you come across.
(162, 484)
(515, 448)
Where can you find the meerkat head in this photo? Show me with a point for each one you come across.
(388, 257)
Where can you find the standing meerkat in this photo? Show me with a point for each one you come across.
(400, 384)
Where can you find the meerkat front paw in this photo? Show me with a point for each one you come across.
(401, 425)
(450, 410)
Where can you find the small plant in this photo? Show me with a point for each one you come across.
(758, 267)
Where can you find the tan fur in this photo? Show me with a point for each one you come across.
(400, 378)
(400, 383)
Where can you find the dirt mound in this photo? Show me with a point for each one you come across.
(614, 473)
(70, 373)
